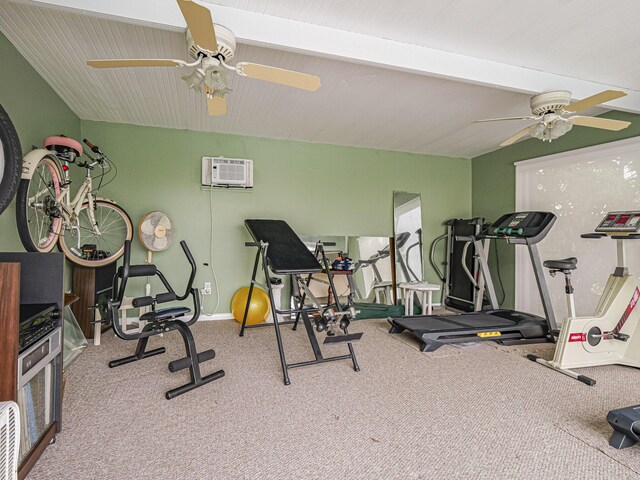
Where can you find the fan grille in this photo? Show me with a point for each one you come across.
(156, 231)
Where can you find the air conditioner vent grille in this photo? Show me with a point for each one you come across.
(228, 172)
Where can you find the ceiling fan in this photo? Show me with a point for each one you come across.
(212, 46)
(550, 108)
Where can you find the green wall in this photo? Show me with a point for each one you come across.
(36, 111)
(317, 189)
(494, 175)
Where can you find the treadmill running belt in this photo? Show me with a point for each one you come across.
(444, 322)
(505, 326)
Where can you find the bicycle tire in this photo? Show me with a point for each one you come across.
(11, 161)
(26, 215)
(100, 262)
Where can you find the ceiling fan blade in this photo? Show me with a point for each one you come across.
(592, 101)
(504, 118)
(279, 75)
(597, 122)
(135, 63)
(522, 133)
(216, 105)
(200, 24)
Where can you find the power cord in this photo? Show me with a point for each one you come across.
(504, 295)
(213, 271)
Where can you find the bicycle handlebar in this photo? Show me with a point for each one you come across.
(94, 148)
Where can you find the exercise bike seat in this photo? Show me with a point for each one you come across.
(164, 314)
(564, 264)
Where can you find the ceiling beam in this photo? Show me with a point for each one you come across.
(290, 35)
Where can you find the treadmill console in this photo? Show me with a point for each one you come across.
(532, 226)
(620, 222)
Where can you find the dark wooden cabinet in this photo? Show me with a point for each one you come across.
(90, 284)
(28, 281)
(10, 323)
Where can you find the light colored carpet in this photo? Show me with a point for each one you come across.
(483, 412)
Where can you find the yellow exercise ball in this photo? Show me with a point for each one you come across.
(258, 308)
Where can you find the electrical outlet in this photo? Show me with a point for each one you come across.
(207, 288)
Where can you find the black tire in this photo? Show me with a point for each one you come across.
(11, 162)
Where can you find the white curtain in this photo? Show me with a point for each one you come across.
(580, 187)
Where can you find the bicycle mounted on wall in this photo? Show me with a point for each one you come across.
(90, 230)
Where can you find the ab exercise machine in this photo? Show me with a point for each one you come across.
(609, 336)
(283, 253)
(161, 321)
(505, 326)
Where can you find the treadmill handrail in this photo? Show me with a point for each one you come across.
(465, 249)
(432, 259)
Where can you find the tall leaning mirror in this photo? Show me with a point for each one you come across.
(368, 279)
(407, 231)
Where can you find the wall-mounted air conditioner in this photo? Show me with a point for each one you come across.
(227, 172)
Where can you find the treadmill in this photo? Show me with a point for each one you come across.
(463, 285)
(508, 327)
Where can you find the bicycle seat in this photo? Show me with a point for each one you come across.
(62, 145)
(564, 264)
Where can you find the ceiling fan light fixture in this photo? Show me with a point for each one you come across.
(551, 131)
(559, 128)
(538, 131)
(217, 79)
(195, 79)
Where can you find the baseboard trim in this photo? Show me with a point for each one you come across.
(224, 316)
(216, 316)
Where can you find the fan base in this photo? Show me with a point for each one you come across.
(550, 102)
(226, 44)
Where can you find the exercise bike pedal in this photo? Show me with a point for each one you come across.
(623, 337)
(352, 337)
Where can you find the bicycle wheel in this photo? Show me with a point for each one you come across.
(10, 160)
(37, 212)
(83, 246)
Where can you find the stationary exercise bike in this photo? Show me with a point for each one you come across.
(610, 336)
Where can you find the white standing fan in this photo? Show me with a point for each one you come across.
(156, 233)
(9, 440)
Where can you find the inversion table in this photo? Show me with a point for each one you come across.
(283, 253)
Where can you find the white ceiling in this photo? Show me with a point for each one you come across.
(586, 39)
(358, 104)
